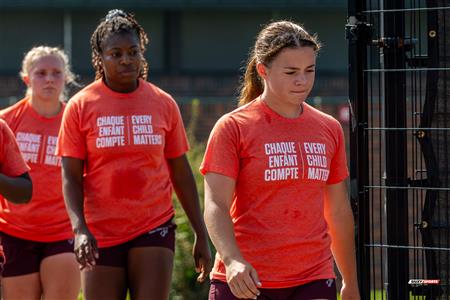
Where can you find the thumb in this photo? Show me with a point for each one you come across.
(255, 277)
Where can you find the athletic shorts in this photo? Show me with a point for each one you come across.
(319, 289)
(117, 256)
(24, 257)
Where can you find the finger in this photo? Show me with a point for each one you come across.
(236, 290)
(81, 258)
(245, 291)
(90, 259)
(255, 278)
(250, 286)
(203, 274)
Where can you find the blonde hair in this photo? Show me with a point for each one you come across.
(273, 38)
(36, 53)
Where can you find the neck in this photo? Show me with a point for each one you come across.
(290, 111)
(46, 108)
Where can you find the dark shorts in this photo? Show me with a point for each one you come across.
(319, 289)
(25, 256)
(117, 256)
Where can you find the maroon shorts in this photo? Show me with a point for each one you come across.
(117, 256)
(319, 289)
(25, 256)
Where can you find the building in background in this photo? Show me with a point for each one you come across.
(197, 47)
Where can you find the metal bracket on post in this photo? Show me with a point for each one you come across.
(358, 31)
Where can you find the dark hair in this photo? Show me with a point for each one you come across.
(117, 21)
(273, 38)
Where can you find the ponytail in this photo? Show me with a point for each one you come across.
(252, 85)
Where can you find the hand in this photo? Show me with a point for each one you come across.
(202, 257)
(86, 251)
(349, 292)
(242, 279)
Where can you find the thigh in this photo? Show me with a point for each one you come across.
(21, 287)
(104, 282)
(324, 289)
(150, 272)
(60, 277)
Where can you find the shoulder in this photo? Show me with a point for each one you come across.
(157, 93)
(14, 110)
(94, 89)
(323, 118)
(5, 131)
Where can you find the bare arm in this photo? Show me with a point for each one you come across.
(339, 217)
(186, 190)
(241, 276)
(18, 189)
(85, 244)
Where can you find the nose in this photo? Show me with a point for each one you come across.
(126, 59)
(49, 78)
(300, 79)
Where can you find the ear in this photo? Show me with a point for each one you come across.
(26, 80)
(262, 70)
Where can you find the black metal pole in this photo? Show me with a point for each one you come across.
(396, 152)
(359, 169)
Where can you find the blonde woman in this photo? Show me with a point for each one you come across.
(37, 237)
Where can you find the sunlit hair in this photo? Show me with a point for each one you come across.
(273, 38)
(117, 21)
(36, 53)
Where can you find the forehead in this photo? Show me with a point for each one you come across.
(122, 39)
(292, 57)
(47, 62)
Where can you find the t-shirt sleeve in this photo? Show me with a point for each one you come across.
(338, 166)
(222, 151)
(11, 160)
(176, 143)
(71, 140)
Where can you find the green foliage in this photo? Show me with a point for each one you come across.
(184, 281)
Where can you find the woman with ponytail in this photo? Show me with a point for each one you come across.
(276, 204)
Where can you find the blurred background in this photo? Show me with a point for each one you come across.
(197, 47)
(196, 53)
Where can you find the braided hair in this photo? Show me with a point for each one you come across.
(117, 21)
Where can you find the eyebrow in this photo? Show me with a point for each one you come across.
(119, 48)
(295, 68)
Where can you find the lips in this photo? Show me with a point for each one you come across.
(127, 71)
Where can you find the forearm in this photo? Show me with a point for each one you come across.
(73, 198)
(221, 231)
(188, 198)
(186, 191)
(72, 177)
(18, 190)
(343, 243)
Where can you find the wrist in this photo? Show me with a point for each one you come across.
(80, 228)
(229, 259)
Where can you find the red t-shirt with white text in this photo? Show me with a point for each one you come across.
(281, 167)
(45, 218)
(125, 140)
(11, 161)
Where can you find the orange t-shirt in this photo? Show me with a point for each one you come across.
(124, 140)
(11, 161)
(45, 218)
(281, 167)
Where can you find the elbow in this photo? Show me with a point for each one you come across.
(24, 196)
(28, 193)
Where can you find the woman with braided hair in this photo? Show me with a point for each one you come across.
(276, 205)
(123, 148)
